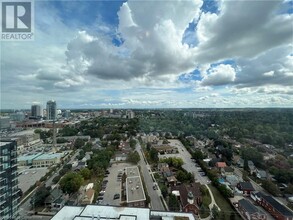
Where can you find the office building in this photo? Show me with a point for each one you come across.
(4, 122)
(67, 114)
(51, 110)
(17, 116)
(9, 192)
(36, 111)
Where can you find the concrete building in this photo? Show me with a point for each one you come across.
(9, 192)
(4, 122)
(51, 110)
(129, 114)
(67, 114)
(95, 212)
(17, 116)
(36, 111)
(46, 160)
(135, 196)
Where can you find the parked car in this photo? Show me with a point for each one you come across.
(117, 196)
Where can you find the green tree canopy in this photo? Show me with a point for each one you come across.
(86, 173)
(71, 182)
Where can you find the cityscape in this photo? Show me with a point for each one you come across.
(146, 110)
(146, 164)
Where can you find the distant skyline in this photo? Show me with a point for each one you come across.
(153, 54)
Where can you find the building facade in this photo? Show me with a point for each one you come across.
(9, 192)
(51, 110)
(36, 111)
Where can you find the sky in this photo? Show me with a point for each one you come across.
(153, 54)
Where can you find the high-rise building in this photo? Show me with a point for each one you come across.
(17, 116)
(67, 114)
(9, 192)
(51, 110)
(36, 111)
(4, 122)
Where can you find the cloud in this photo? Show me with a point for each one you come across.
(220, 75)
(242, 29)
(144, 57)
(152, 45)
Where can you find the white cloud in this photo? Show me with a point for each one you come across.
(219, 75)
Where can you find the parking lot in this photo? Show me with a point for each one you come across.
(188, 165)
(113, 185)
(28, 177)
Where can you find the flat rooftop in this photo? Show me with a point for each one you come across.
(103, 212)
(90, 212)
(49, 156)
(134, 187)
(132, 171)
(28, 157)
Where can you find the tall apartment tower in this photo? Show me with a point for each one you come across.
(9, 192)
(51, 110)
(36, 111)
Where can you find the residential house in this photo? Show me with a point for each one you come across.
(227, 171)
(245, 188)
(249, 211)
(88, 197)
(221, 165)
(252, 168)
(189, 196)
(240, 163)
(172, 181)
(233, 180)
(55, 201)
(261, 174)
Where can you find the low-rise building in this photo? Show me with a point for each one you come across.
(244, 188)
(189, 196)
(101, 212)
(135, 196)
(250, 211)
(276, 209)
(227, 171)
(46, 160)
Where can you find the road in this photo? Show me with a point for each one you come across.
(154, 195)
(26, 206)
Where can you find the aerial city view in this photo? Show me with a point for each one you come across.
(146, 110)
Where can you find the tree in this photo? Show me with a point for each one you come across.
(79, 143)
(39, 198)
(164, 191)
(270, 187)
(133, 157)
(245, 176)
(86, 173)
(215, 213)
(56, 179)
(173, 203)
(71, 182)
(154, 155)
(132, 143)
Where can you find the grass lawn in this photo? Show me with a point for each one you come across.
(223, 203)
(206, 198)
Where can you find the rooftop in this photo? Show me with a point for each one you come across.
(278, 206)
(28, 157)
(49, 156)
(134, 189)
(132, 171)
(250, 208)
(90, 212)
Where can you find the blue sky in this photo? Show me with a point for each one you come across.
(152, 54)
